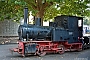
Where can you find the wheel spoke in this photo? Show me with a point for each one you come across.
(62, 49)
(41, 52)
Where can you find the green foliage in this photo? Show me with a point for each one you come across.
(14, 8)
(50, 12)
(68, 7)
(86, 21)
(11, 9)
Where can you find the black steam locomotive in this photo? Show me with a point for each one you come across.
(64, 34)
(64, 28)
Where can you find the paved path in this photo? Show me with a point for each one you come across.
(6, 55)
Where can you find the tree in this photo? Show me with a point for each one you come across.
(11, 9)
(38, 7)
(46, 9)
(86, 21)
(69, 7)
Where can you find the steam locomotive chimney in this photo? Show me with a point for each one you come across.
(38, 21)
(25, 15)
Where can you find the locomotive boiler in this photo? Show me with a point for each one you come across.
(64, 34)
(33, 32)
(27, 31)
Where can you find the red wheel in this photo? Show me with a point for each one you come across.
(41, 51)
(62, 49)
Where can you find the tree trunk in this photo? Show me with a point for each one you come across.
(40, 8)
(40, 14)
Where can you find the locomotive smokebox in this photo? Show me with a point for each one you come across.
(25, 15)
